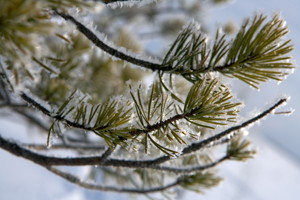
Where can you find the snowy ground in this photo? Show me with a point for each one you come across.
(273, 174)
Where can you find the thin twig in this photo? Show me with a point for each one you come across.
(76, 147)
(114, 1)
(32, 119)
(73, 179)
(178, 170)
(43, 160)
(196, 146)
(47, 112)
(5, 85)
(105, 155)
(12, 105)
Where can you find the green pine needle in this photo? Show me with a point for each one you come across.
(258, 52)
(238, 149)
(199, 181)
(208, 104)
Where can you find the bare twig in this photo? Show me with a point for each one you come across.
(178, 170)
(105, 155)
(32, 119)
(76, 147)
(73, 179)
(114, 1)
(12, 105)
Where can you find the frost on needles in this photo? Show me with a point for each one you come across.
(142, 138)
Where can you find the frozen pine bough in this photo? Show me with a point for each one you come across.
(150, 123)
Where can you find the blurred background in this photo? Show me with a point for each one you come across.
(273, 174)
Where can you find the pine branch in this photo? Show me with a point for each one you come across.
(206, 103)
(106, 117)
(238, 150)
(258, 53)
(18, 150)
(253, 57)
(196, 182)
(47, 112)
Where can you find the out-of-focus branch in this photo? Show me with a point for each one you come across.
(75, 147)
(30, 118)
(179, 170)
(73, 179)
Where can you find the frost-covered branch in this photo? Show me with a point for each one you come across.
(75, 147)
(179, 170)
(200, 109)
(12, 105)
(196, 146)
(18, 150)
(93, 186)
(114, 1)
(43, 160)
(49, 113)
(253, 56)
(31, 118)
(110, 50)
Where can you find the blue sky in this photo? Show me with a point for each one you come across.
(282, 130)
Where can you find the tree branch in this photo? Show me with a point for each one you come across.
(114, 1)
(18, 150)
(196, 146)
(31, 118)
(73, 179)
(12, 105)
(160, 124)
(134, 132)
(47, 112)
(113, 52)
(76, 147)
(178, 170)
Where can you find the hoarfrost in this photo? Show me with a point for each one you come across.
(130, 3)
(287, 112)
(87, 22)
(39, 101)
(49, 140)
